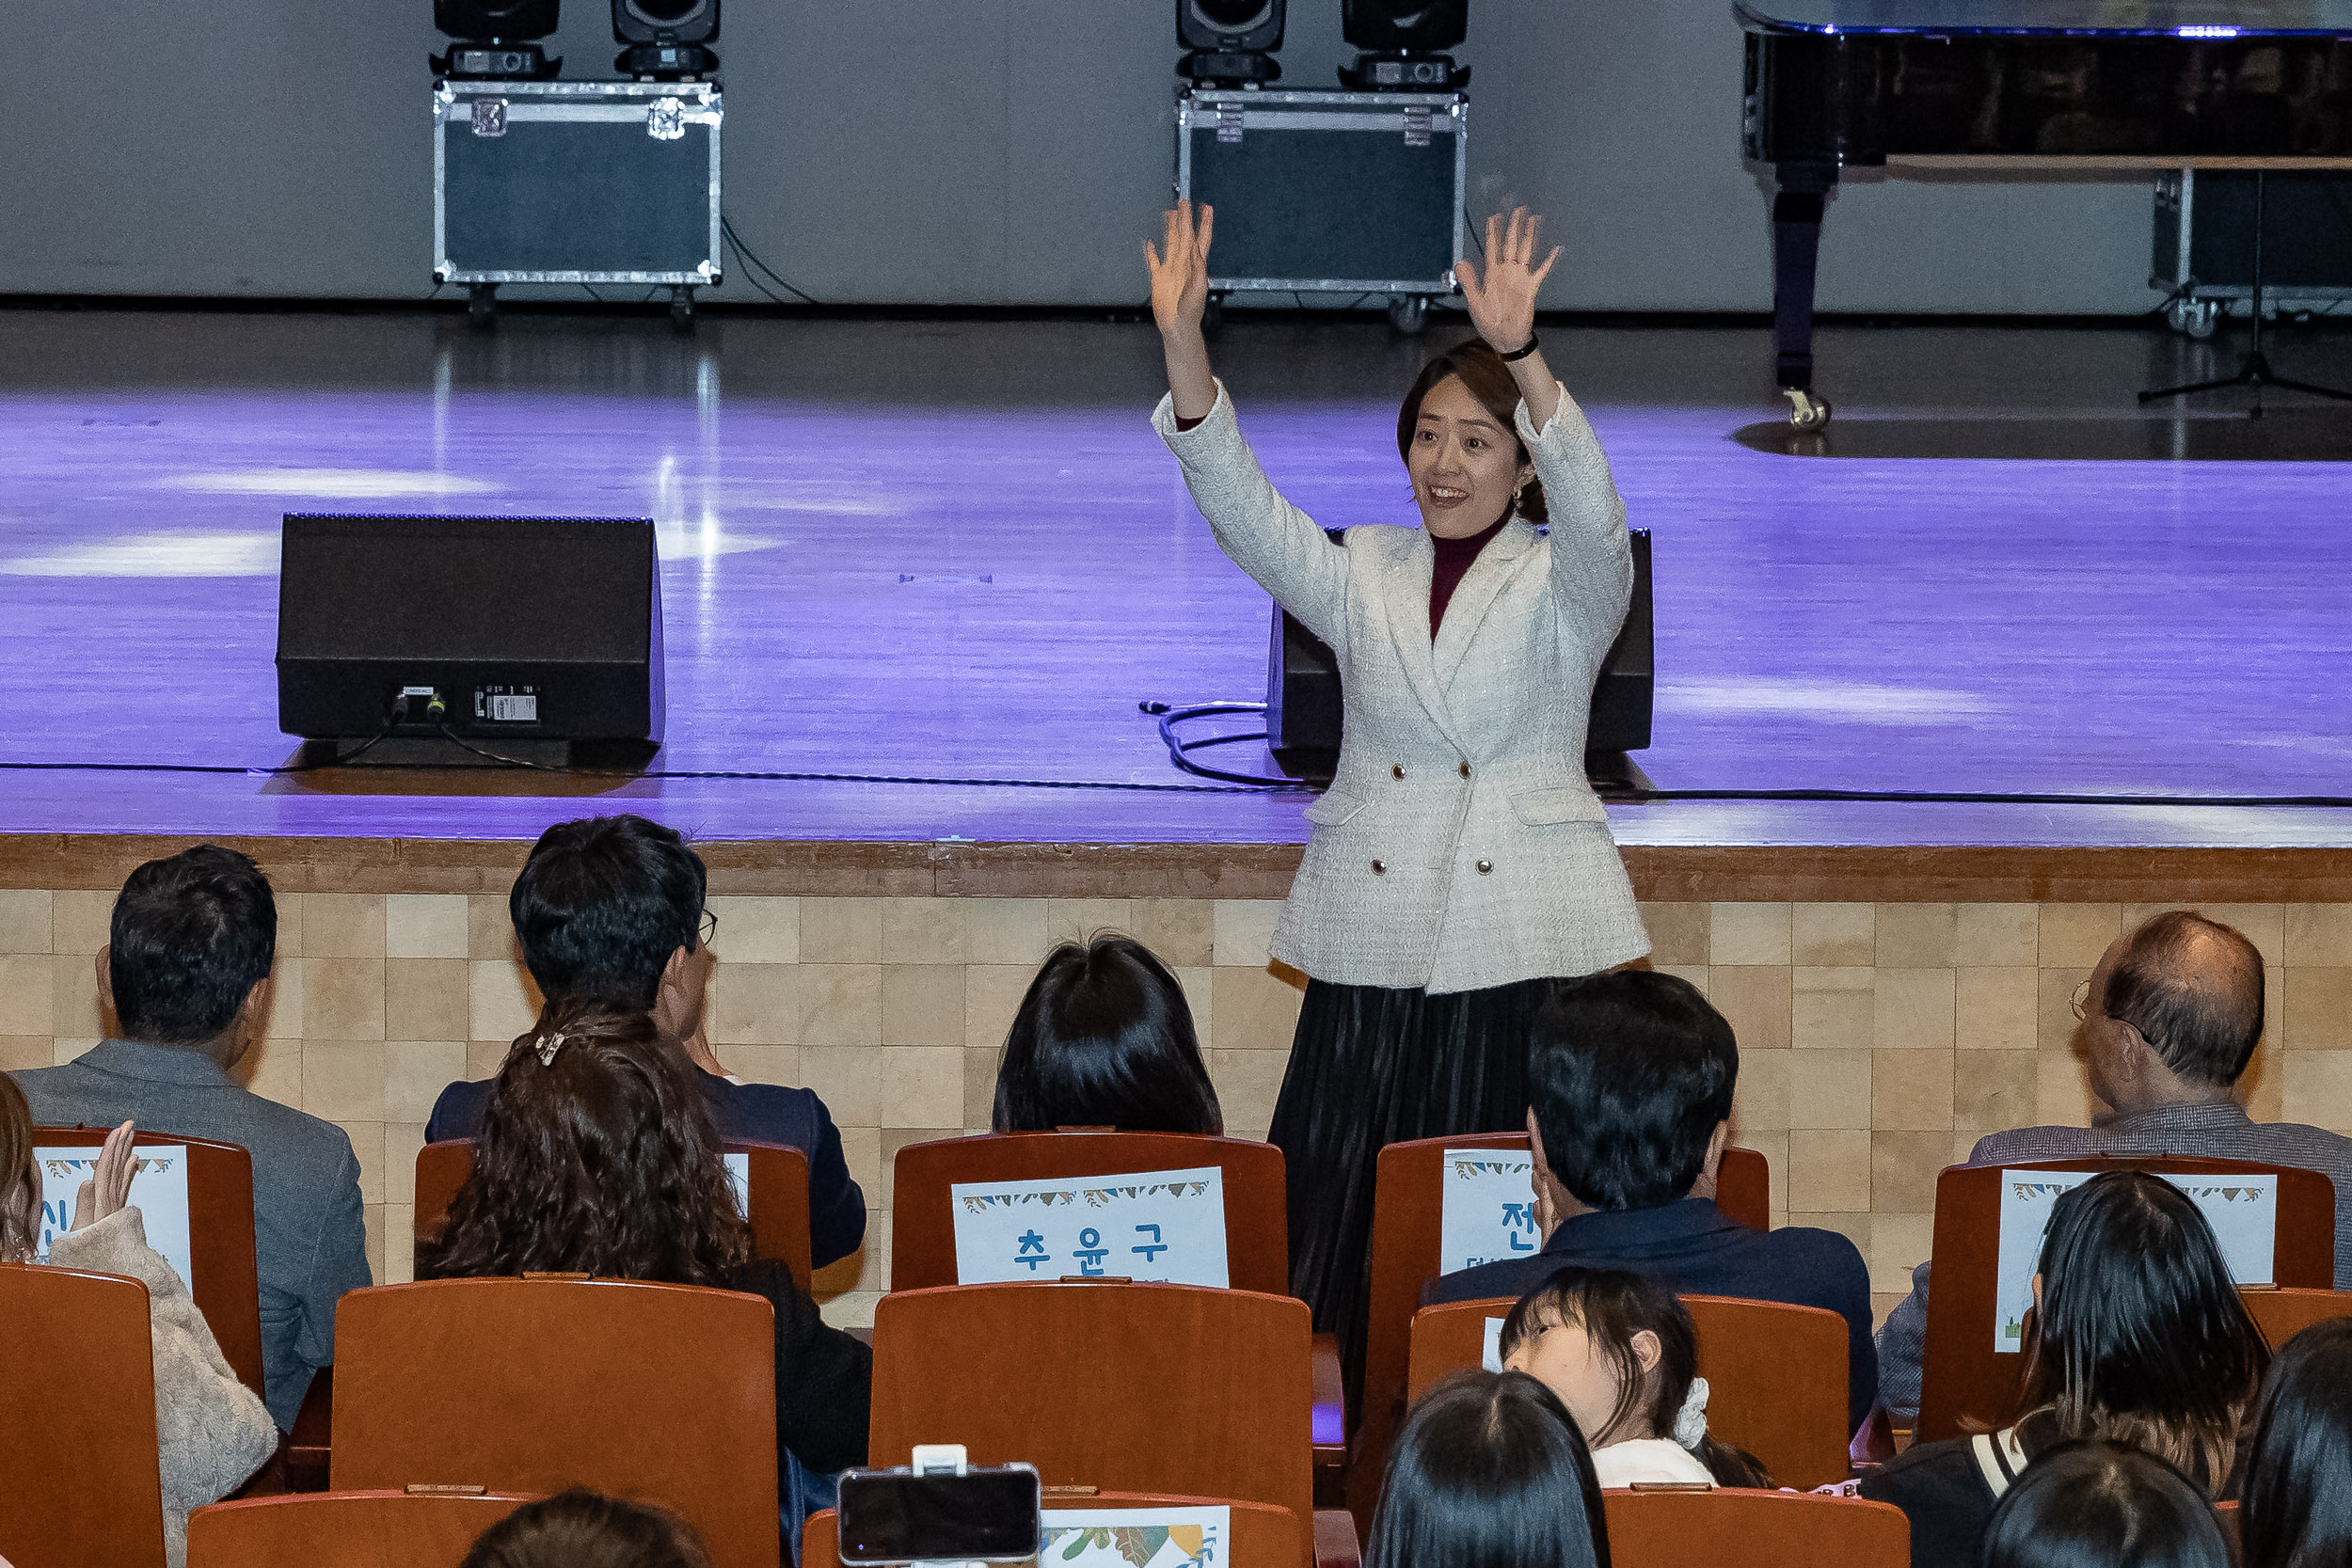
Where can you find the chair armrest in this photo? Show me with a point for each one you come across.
(1873, 1440)
(1335, 1539)
(311, 1444)
(1330, 1410)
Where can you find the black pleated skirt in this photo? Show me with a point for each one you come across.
(1372, 1066)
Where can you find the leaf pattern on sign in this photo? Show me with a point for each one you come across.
(1137, 1545)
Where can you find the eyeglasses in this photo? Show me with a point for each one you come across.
(2081, 1003)
(710, 929)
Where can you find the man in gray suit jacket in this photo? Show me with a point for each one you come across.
(186, 973)
(2170, 1020)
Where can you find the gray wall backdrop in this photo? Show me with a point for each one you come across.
(972, 152)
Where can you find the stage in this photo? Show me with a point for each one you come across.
(953, 551)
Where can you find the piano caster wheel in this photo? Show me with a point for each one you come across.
(1408, 314)
(1806, 411)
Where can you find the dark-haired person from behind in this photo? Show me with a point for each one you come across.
(186, 972)
(579, 1529)
(2103, 1505)
(1104, 1038)
(610, 909)
(1489, 1471)
(2170, 1019)
(2294, 1508)
(2137, 1336)
(1630, 1076)
(598, 1155)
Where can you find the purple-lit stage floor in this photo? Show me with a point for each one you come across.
(956, 550)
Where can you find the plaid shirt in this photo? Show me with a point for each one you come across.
(2210, 1129)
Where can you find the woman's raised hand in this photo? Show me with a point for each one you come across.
(1180, 270)
(110, 1189)
(1501, 300)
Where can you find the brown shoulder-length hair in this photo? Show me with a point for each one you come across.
(1480, 368)
(19, 1178)
(596, 1155)
(2141, 1337)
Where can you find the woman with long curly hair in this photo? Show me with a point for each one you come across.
(597, 1156)
(2137, 1337)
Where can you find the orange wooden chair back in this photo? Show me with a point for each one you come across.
(666, 1392)
(1963, 1378)
(2283, 1313)
(1775, 1373)
(227, 1284)
(79, 1472)
(1407, 1212)
(779, 1196)
(1755, 1530)
(923, 1227)
(1131, 1387)
(344, 1530)
(1261, 1532)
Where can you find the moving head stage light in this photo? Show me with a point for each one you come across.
(1400, 44)
(494, 39)
(666, 39)
(1232, 41)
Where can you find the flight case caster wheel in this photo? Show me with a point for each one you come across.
(682, 308)
(2202, 319)
(1408, 314)
(481, 304)
(1213, 313)
(1806, 411)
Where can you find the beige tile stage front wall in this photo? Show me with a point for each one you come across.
(1877, 1040)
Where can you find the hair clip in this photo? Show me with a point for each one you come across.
(549, 1045)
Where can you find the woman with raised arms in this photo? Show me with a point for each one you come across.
(1459, 861)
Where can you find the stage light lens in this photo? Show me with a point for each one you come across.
(513, 21)
(667, 13)
(1233, 16)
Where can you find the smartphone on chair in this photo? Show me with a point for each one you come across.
(941, 1510)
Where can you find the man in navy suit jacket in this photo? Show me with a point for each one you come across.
(610, 909)
(1631, 1075)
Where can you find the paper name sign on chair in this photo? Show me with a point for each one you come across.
(1163, 1226)
(1136, 1538)
(1491, 1358)
(2242, 1210)
(739, 1178)
(1489, 1210)
(159, 1190)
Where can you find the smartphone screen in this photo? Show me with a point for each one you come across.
(908, 1518)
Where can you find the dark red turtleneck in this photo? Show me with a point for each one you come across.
(1454, 560)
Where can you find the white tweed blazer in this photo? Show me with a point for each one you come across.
(1459, 847)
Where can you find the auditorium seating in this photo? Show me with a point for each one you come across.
(225, 1279)
(79, 1471)
(2281, 1314)
(1144, 1387)
(1962, 1377)
(779, 1183)
(420, 1528)
(1755, 1530)
(1407, 1210)
(1257, 1226)
(1775, 1375)
(529, 1386)
(1264, 1536)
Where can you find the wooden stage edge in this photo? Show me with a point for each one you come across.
(955, 869)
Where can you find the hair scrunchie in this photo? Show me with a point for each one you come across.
(1690, 1421)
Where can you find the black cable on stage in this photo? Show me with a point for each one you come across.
(727, 230)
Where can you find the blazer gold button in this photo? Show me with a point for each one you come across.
(1380, 868)
(1466, 769)
(1396, 770)
(1485, 866)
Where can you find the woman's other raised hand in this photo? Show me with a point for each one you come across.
(109, 1190)
(1180, 296)
(1502, 302)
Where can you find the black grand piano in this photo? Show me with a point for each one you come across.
(1840, 84)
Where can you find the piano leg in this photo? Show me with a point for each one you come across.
(1801, 193)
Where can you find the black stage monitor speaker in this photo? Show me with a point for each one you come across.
(520, 629)
(1302, 693)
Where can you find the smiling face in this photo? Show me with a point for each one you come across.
(1466, 465)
